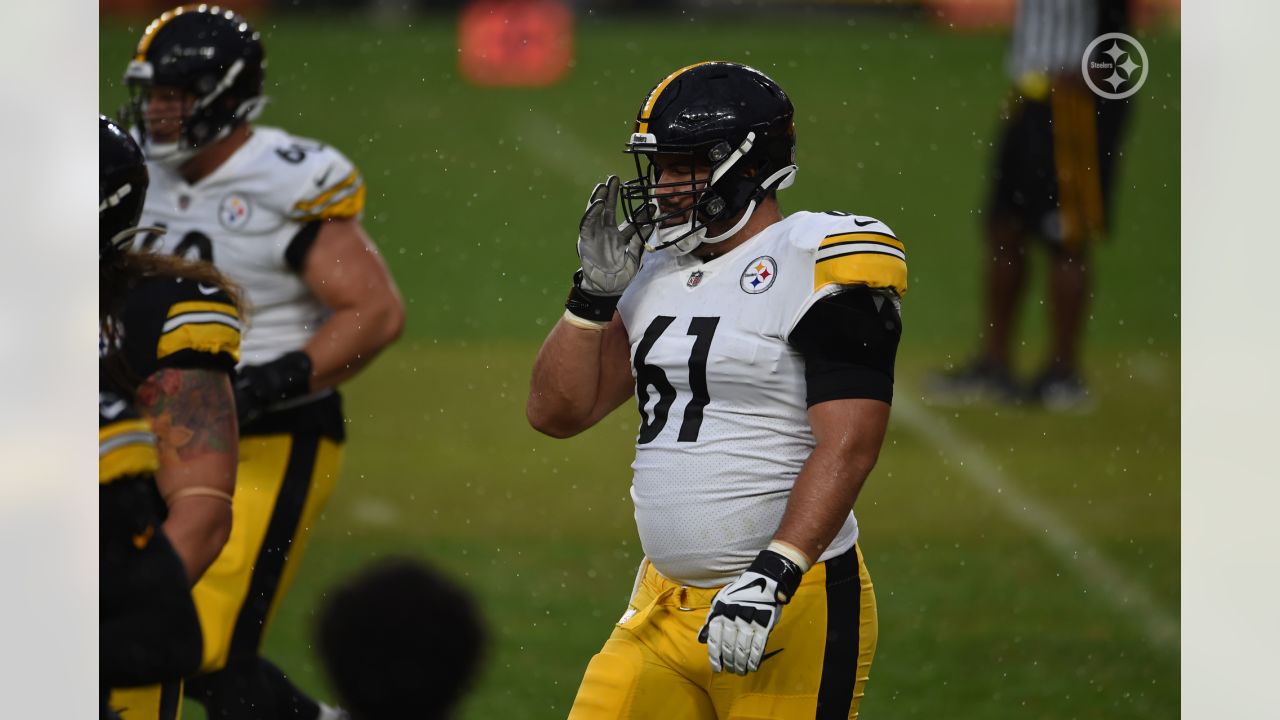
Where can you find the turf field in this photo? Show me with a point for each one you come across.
(1026, 564)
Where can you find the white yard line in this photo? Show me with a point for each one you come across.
(1067, 544)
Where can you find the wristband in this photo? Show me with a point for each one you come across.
(197, 491)
(583, 323)
(589, 306)
(792, 553)
(781, 570)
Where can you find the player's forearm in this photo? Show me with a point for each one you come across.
(198, 527)
(350, 338)
(566, 381)
(823, 495)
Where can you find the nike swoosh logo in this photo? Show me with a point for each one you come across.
(860, 223)
(324, 177)
(768, 655)
(758, 581)
(113, 409)
(205, 289)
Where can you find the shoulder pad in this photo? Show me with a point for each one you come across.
(860, 250)
(184, 315)
(327, 185)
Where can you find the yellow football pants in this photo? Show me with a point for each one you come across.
(282, 484)
(816, 662)
(152, 702)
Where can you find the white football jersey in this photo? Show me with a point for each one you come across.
(244, 218)
(724, 423)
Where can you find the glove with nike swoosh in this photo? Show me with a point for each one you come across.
(258, 387)
(746, 610)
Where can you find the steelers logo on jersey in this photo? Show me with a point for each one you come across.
(234, 211)
(758, 275)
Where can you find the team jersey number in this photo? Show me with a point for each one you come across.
(194, 240)
(652, 376)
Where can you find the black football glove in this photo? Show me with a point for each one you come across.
(745, 611)
(258, 387)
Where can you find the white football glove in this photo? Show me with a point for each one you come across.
(746, 610)
(610, 253)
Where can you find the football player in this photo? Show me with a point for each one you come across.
(1052, 186)
(760, 348)
(280, 216)
(169, 337)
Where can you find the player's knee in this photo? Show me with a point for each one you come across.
(608, 683)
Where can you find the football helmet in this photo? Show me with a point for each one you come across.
(736, 129)
(122, 187)
(211, 55)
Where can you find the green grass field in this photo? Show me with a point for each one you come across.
(987, 609)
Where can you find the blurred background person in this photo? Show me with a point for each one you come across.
(281, 216)
(1051, 185)
(400, 640)
(169, 338)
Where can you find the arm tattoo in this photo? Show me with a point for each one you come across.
(192, 412)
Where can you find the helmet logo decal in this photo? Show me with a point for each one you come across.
(758, 275)
(234, 211)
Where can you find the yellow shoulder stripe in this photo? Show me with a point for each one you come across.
(126, 447)
(328, 195)
(125, 461)
(872, 237)
(120, 427)
(348, 207)
(194, 306)
(870, 258)
(212, 338)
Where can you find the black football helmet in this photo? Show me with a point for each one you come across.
(212, 55)
(734, 123)
(122, 187)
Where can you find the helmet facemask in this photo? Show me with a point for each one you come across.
(726, 181)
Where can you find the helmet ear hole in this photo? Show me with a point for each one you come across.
(719, 151)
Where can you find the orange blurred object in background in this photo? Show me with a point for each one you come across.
(525, 43)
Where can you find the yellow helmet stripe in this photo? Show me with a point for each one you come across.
(653, 96)
(150, 33)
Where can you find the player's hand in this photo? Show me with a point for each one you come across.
(610, 253)
(258, 387)
(746, 610)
